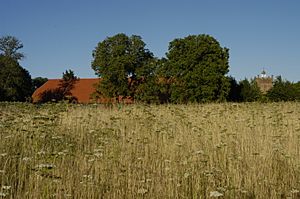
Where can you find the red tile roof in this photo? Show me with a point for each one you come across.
(82, 90)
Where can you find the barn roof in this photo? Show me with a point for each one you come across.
(82, 90)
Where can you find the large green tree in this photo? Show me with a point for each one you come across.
(198, 65)
(15, 81)
(122, 63)
(9, 46)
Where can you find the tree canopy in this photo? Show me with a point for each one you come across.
(67, 82)
(120, 61)
(9, 46)
(198, 65)
(249, 91)
(15, 81)
(38, 82)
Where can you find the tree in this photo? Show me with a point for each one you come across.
(150, 90)
(15, 81)
(198, 65)
(67, 82)
(9, 45)
(249, 91)
(235, 91)
(122, 63)
(284, 90)
(38, 82)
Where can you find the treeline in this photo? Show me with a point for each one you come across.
(194, 71)
(248, 91)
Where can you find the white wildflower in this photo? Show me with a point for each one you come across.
(57, 137)
(243, 191)
(221, 189)
(98, 155)
(142, 191)
(148, 180)
(294, 191)
(215, 194)
(186, 175)
(6, 187)
(47, 166)
(7, 137)
(61, 153)
(98, 150)
(3, 194)
(26, 159)
(87, 177)
(41, 153)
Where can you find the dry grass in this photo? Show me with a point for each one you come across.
(170, 151)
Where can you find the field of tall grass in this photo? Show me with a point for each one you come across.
(158, 151)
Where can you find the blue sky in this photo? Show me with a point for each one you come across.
(61, 34)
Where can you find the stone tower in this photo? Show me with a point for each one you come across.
(264, 82)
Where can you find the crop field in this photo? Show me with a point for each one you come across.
(158, 151)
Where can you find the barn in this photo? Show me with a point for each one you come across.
(82, 91)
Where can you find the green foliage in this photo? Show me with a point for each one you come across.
(38, 82)
(69, 76)
(235, 91)
(9, 46)
(116, 59)
(146, 89)
(249, 91)
(198, 65)
(154, 88)
(67, 82)
(15, 81)
(284, 90)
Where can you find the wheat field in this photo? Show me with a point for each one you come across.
(225, 150)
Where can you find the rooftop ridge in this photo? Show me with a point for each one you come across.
(78, 78)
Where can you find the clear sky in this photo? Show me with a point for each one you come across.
(61, 34)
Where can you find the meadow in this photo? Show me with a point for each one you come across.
(227, 150)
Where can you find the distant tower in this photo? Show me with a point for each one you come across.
(264, 82)
(263, 74)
